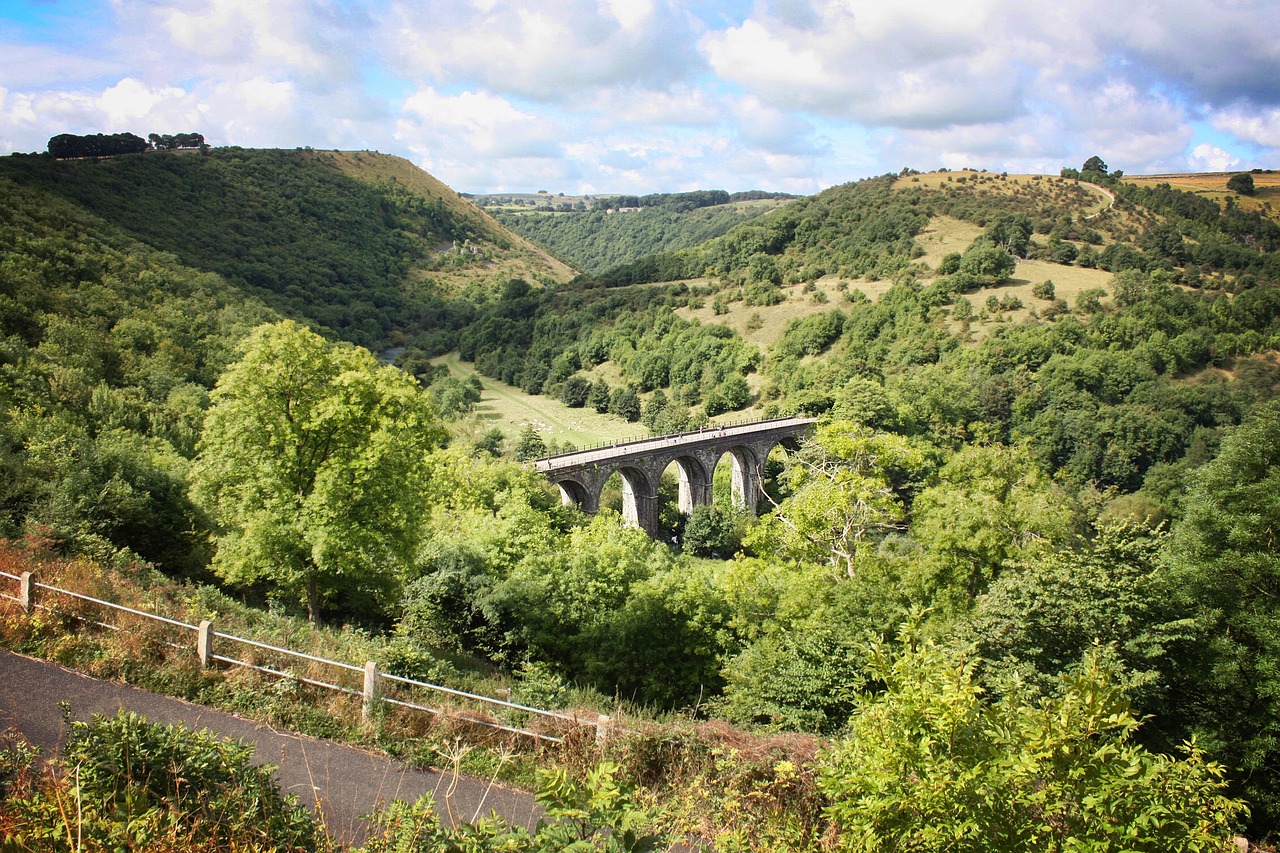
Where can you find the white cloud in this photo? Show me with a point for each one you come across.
(131, 100)
(1261, 127)
(902, 64)
(545, 49)
(1211, 158)
(643, 95)
(283, 34)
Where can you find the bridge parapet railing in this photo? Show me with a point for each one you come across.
(613, 445)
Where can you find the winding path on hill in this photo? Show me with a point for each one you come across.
(1111, 201)
(342, 782)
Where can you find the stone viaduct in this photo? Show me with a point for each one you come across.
(582, 474)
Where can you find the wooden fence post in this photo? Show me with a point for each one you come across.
(26, 592)
(204, 643)
(370, 689)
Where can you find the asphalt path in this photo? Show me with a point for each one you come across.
(342, 783)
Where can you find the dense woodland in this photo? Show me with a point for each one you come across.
(1064, 515)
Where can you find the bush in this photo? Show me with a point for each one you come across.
(143, 786)
(1241, 183)
(931, 765)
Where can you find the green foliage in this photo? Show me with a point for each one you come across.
(990, 504)
(305, 239)
(842, 497)
(597, 814)
(987, 262)
(106, 353)
(1229, 567)
(800, 680)
(930, 765)
(595, 241)
(713, 530)
(1241, 183)
(1043, 613)
(1044, 290)
(453, 397)
(530, 445)
(125, 783)
(625, 403)
(1011, 232)
(311, 461)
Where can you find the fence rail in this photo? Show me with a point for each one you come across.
(372, 692)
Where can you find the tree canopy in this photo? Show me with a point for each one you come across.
(311, 461)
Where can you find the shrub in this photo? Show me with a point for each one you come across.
(930, 765)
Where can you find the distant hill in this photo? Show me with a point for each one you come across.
(1213, 186)
(361, 243)
(596, 239)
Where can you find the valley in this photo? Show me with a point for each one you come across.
(1033, 518)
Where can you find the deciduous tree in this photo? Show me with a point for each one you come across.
(311, 461)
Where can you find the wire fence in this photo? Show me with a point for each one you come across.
(376, 689)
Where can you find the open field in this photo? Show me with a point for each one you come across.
(510, 409)
(1213, 185)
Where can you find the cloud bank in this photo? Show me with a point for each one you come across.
(650, 95)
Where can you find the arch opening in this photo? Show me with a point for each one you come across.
(573, 493)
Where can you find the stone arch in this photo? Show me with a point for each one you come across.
(573, 493)
(639, 499)
(695, 483)
(745, 482)
(791, 444)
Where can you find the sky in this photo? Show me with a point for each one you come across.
(637, 96)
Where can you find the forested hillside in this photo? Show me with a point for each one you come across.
(1034, 523)
(597, 239)
(363, 244)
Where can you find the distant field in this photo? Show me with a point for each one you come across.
(1213, 185)
(510, 409)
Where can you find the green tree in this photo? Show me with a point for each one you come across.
(713, 530)
(576, 391)
(843, 496)
(625, 403)
(1228, 555)
(311, 464)
(988, 262)
(1011, 232)
(930, 765)
(990, 504)
(654, 410)
(1241, 183)
(530, 445)
(1042, 614)
(598, 398)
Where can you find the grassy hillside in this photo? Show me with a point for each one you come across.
(1045, 406)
